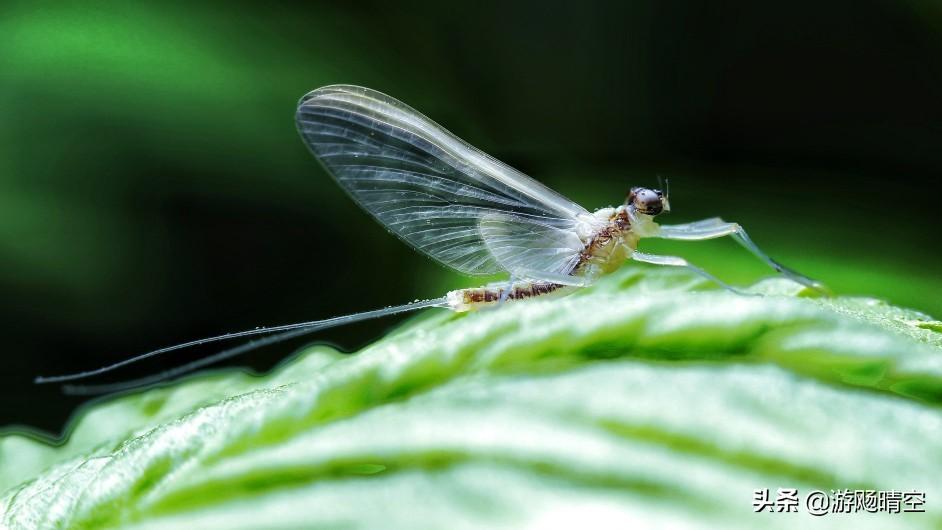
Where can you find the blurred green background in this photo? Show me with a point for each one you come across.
(153, 188)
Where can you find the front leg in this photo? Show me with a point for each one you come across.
(716, 227)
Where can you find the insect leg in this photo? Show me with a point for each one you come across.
(716, 227)
(676, 261)
(552, 277)
(505, 292)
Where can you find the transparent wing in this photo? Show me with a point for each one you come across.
(426, 185)
(532, 250)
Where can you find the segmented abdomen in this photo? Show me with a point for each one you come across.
(466, 299)
(604, 252)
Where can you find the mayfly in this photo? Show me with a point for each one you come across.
(467, 211)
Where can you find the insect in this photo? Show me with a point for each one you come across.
(466, 210)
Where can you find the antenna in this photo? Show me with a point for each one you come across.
(665, 185)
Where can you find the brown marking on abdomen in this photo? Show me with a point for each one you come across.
(483, 295)
(468, 299)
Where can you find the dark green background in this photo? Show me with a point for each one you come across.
(153, 188)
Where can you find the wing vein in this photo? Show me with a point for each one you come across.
(447, 199)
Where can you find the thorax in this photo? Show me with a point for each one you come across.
(614, 239)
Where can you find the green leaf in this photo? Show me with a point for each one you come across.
(650, 399)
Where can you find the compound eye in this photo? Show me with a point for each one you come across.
(648, 201)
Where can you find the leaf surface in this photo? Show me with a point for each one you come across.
(649, 399)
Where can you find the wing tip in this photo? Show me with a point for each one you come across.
(326, 91)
